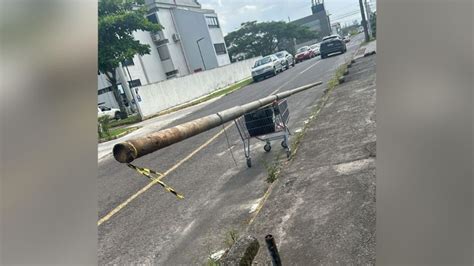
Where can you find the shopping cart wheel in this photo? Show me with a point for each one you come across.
(288, 154)
(283, 144)
(267, 147)
(249, 162)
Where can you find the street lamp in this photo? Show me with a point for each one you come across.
(200, 53)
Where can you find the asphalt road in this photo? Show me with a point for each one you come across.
(155, 227)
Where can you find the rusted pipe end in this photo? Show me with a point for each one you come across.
(124, 152)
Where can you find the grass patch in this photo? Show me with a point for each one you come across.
(273, 169)
(231, 237)
(335, 80)
(115, 133)
(208, 97)
(212, 262)
(127, 121)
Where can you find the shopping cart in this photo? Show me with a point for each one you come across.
(265, 124)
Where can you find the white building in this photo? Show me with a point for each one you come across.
(191, 41)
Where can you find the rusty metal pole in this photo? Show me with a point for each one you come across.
(130, 150)
(273, 250)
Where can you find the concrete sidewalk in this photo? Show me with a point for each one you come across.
(322, 208)
(366, 48)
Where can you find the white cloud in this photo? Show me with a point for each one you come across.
(267, 8)
(251, 7)
(247, 8)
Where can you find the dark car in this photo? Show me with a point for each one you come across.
(332, 45)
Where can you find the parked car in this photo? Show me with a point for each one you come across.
(286, 59)
(270, 65)
(332, 45)
(107, 111)
(315, 48)
(304, 53)
(347, 38)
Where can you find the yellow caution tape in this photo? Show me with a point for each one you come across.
(149, 173)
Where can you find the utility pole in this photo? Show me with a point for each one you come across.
(368, 11)
(134, 96)
(126, 87)
(364, 21)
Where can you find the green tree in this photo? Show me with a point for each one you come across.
(118, 19)
(262, 38)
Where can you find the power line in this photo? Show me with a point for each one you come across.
(343, 19)
(348, 7)
(356, 15)
(346, 15)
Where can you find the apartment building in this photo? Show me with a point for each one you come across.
(191, 41)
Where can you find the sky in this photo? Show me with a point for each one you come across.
(232, 13)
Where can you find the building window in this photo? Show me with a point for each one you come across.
(171, 74)
(128, 62)
(212, 22)
(220, 48)
(153, 18)
(134, 83)
(104, 90)
(164, 52)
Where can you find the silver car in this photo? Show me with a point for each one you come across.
(315, 48)
(270, 65)
(286, 59)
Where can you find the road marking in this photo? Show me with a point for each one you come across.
(290, 80)
(309, 67)
(149, 185)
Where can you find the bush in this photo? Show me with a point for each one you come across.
(104, 126)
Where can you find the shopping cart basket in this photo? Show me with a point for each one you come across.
(265, 124)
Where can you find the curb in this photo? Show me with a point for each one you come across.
(370, 53)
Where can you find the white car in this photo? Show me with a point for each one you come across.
(107, 111)
(270, 65)
(286, 59)
(315, 48)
